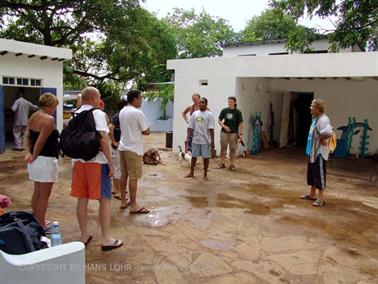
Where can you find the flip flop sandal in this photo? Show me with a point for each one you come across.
(307, 197)
(318, 203)
(125, 206)
(116, 244)
(221, 166)
(141, 210)
(232, 167)
(90, 237)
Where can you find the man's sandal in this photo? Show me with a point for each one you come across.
(232, 167)
(307, 197)
(221, 166)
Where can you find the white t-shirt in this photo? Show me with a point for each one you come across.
(21, 107)
(132, 122)
(201, 122)
(101, 125)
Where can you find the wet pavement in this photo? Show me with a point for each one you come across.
(247, 226)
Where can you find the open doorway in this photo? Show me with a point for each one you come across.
(296, 118)
(10, 95)
(300, 119)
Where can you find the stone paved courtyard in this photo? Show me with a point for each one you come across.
(247, 226)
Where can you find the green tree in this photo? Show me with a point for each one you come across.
(61, 22)
(165, 94)
(199, 35)
(270, 25)
(356, 24)
(273, 24)
(113, 41)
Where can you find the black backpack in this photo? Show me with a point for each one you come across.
(117, 127)
(80, 139)
(20, 233)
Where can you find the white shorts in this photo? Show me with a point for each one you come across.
(116, 163)
(44, 169)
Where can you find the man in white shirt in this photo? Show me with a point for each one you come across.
(91, 179)
(201, 125)
(21, 108)
(133, 125)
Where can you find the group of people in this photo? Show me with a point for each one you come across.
(90, 179)
(200, 133)
(200, 140)
(121, 151)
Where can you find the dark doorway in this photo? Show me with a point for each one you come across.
(10, 94)
(300, 118)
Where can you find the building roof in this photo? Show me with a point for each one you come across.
(19, 48)
(350, 64)
(254, 43)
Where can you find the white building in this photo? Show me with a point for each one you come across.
(33, 68)
(348, 81)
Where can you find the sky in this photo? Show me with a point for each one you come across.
(237, 12)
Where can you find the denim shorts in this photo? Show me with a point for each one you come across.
(201, 150)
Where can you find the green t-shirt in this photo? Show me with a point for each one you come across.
(232, 118)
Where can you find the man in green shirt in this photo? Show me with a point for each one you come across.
(231, 121)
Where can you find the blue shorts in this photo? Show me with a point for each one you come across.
(201, 150)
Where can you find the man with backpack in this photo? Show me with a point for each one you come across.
(91, 179)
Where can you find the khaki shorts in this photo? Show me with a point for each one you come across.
(131, 164)
(229, 139)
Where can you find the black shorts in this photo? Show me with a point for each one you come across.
(316, 173)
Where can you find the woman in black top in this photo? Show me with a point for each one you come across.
(42, 151)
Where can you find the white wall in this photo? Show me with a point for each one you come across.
(255, 95)
(221, 85)
(153, 111)
(51, 73)
(342, 96)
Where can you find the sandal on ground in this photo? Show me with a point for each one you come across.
(318, 203)
(90, 237)
(116, 244)
(221, 166)
(141, 210)
(232, 167)
(117, 196)
(124, 206)
(307, 197)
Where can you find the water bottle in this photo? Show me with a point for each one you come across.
(56, 236)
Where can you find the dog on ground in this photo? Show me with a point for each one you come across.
(184, 156)
(152, 157)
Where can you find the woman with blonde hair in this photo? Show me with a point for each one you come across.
(42, 152)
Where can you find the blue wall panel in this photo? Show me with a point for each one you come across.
(2, 122)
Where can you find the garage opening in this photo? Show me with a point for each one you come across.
(300, 118)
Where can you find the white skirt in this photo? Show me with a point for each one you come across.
(44, 169)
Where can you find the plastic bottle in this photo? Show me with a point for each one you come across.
(56, 236)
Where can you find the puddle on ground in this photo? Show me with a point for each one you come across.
(198, 201)
(352, 229)
(218, 244)
(158, 217)
(9, 167)
(227, 201)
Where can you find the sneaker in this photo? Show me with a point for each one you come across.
(318, 203)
